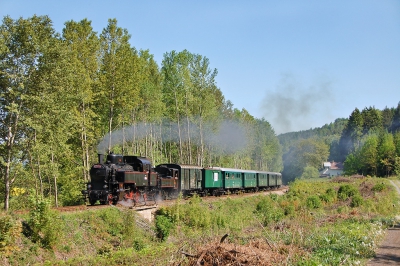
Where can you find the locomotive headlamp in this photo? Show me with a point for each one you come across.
(105, 186)
(89, 186)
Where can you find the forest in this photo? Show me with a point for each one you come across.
(368, 143)
(65, 97)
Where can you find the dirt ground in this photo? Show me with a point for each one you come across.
(389, 251)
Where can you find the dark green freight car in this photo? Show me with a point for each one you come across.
(189, 177)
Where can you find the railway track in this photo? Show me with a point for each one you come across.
(161, 203)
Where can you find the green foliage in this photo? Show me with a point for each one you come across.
(10, 230)
(310, 172)
(44, 225)
(117, 236)
(345, 240)
(306, 155)
(328, 196)
(356, 201)
(163, 227)
(347, 191)
(313, 202)
(114, 220)
(269, 211)
(379, 187)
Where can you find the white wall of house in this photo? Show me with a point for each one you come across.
(328, 171)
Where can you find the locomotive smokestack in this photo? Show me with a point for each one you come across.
(101, 157)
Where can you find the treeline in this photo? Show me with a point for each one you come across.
(368, 143)
(67, 96)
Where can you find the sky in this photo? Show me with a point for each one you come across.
(297, 64)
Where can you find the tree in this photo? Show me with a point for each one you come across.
(307, 152)
(116, 75)
(395, 125)
(206, 102)
(369, 155)
(22, 44)
(372, 120)
(352, 164)
(386, 153)
(310, 172)
(387, 118)
(82, 45)
(352, 133)
(175, 69)
(49, 120)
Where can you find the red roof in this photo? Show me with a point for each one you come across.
(336, 165)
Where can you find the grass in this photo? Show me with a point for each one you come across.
(318, 222)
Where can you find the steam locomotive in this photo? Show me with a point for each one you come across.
(121, 178)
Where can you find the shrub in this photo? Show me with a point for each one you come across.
(289, 210)
(378, 187)
(269, 212)
(313, 202)
(163, 227)
(330, 192)
(9, 232)
(356, 201)
(347, 191)
(43, 225)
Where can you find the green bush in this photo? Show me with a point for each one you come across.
(330, 192)
(10, 231)
(163, 226)
(347, 191)
(313, 202)
(113, 220)
(289, 210)
(378, 187)
(269, 211)
(44, 225)
(356, 201)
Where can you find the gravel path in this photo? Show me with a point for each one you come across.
(389, 251)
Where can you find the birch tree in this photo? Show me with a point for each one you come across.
(22, 43)
(83, 53)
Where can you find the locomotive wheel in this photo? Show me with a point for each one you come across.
(92, 201)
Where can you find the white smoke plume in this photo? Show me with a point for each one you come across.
(228, 137)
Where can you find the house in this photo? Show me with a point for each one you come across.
(331, 169)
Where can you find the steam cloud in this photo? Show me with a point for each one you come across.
(229, 137)
(292, 107)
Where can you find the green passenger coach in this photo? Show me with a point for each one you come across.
(213, 182)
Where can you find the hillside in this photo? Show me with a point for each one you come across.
(340, 217)
(368, 143)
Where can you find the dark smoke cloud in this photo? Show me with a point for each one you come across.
(228, 137)
(293, 107)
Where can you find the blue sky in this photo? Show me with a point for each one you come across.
(298, 64)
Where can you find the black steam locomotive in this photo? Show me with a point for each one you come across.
(122, 178)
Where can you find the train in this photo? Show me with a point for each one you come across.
(120, 178)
